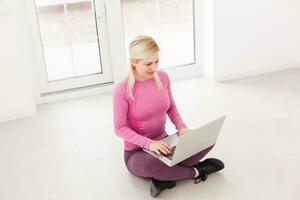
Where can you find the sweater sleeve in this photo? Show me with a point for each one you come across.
(173, 112)
(120, 109)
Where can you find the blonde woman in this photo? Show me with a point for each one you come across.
(141, 103)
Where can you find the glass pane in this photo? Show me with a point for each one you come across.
(69, 37)
(170, 22)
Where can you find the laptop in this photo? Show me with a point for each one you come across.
(190, 143)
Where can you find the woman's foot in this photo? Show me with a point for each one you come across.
(207, 167)
(157, 186)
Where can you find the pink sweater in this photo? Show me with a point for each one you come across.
(141, 120)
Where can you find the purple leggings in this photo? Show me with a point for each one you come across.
(142, 164)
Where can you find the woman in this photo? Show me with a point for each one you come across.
(141, 103)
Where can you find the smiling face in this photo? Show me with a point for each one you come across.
(144, 69)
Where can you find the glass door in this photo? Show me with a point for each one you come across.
(74, 44)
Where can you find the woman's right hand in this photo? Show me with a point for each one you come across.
(160, 147)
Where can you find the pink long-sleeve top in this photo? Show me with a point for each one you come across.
(141, 120)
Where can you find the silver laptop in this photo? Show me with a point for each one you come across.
(190, 143)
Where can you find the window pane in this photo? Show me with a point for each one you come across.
(69, 37)
(170, 22)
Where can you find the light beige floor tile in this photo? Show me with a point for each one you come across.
(69, 150)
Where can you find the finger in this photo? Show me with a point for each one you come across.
(164, 150)
(167, 146)
(161, 150)
(157, 152)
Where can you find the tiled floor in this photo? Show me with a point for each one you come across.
(69, 150)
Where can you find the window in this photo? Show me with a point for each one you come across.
(169, 22)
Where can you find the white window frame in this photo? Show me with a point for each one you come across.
(191, 70)
(116, 45)
(67, 84)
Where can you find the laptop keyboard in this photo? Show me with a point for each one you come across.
(170, 156)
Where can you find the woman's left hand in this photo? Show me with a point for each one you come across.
(183, 131)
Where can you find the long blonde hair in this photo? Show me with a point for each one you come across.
(142, 47)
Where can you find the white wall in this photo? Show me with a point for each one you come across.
(16, 88)
(207, 39)
(254, 37)
(243, 38)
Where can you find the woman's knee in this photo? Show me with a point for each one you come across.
(141, 164)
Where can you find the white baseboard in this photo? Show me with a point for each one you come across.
(25, 114)
(75, 93)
